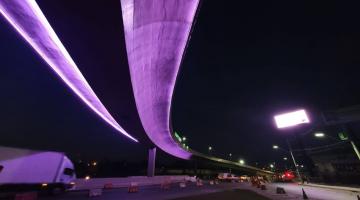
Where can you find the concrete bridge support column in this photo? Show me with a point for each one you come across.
(151, 162)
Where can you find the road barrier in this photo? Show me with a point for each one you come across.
(263, 187)
(134, 187)
(199, 183)
(258, 184)
(165, 184)
(95, 192)
(108, 186)
(352, 189)
(280, 190)
(26, 196)
(182, 184)
(82, 184)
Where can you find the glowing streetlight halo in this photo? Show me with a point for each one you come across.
(291, 119)
(319, 134)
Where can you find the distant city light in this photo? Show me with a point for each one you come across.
(94, 163)
(285, 158)
(275, 146)
(184, 139)
(210, 148)
(87, 177)
(271, 166)
(291, 119)
(241, 161)
(178, 137)
(319, 134)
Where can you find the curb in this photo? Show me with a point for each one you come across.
(352, 189)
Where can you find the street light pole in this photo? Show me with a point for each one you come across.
(293, 158)
(355, 149)
(353, 145)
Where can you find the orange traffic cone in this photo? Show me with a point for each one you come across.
(304, 194)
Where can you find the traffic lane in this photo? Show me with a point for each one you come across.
(149, 192)
(315, 192)
(229, 194)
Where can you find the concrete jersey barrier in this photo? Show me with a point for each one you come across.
(93, 183)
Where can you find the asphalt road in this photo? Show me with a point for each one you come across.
(294, 191)
(206, 192)
(222, 191)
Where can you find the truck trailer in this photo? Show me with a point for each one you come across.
(30, 170)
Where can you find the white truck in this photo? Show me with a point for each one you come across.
(29, 170)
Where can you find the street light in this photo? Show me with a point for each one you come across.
(275, 146)
(319, 135)
(271, 166)
(210, 148)
(184, 139)
(292, 119)
(285, 158)
(241, 161)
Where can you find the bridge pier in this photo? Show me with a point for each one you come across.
(151, 162)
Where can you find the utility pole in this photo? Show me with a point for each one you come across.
(293, 158)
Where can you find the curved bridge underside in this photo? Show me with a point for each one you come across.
(156, 34)
(29, 21)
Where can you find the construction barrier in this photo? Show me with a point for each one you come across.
(165, 184)
(258, 184)
(280, 190)
(263, 187)
(95, 192)
(199, 183)
(26, 196)
(134, 187)
(108, 186)
(182, 184)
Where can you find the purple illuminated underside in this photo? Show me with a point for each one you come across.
(27, 18)
(156, 33)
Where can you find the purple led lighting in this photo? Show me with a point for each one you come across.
(156, 33)
(29, 21)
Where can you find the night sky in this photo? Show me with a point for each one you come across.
(246, 61)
